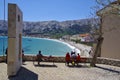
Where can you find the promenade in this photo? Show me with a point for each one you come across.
(58, 71)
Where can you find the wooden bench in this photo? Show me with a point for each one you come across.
(74, 61)
(44, 59)
(83, 60)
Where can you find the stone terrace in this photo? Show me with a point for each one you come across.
(58, 71)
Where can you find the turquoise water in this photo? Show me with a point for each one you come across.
(33, 45)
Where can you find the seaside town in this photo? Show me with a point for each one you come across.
(94, 52)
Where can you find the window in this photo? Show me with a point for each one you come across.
(18, 18)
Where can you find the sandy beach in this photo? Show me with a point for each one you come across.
(58, 71)
(84, 49)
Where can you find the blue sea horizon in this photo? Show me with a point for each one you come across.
(32, 45)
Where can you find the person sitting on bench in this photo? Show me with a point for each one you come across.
(39, 57)
(67, 58)
(73, 58)
(78, 59)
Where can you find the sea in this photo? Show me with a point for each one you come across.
(31, 46)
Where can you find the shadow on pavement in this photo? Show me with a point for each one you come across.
(108, 69)
(45, 65)
(78, 66)
(24, 74)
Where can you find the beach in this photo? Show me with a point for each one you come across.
(82, 49)
(58, 71)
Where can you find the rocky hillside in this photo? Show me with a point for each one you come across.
(53, 28)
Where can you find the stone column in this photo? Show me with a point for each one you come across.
(14, 39)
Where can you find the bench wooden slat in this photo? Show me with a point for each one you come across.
(82, 60)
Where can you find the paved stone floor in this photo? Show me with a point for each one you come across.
(58, 71)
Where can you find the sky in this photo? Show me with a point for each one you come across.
(45, 10)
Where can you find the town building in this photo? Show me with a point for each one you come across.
(110, 27)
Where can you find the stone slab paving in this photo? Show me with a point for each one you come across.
(58, 71)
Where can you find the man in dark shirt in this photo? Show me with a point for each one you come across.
(39, 57)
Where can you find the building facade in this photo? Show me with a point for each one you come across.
(110, 26)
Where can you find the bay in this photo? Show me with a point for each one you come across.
(33, 45)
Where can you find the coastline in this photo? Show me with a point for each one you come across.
(57, 40)
(82, 49)
(60, 41)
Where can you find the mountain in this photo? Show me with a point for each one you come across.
(53, 29)
(3, 27)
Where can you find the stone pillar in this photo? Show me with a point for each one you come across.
(14, 39)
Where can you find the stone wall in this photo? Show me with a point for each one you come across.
(2, 59)
(33, 58)
(100, 60)
(108, 61)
